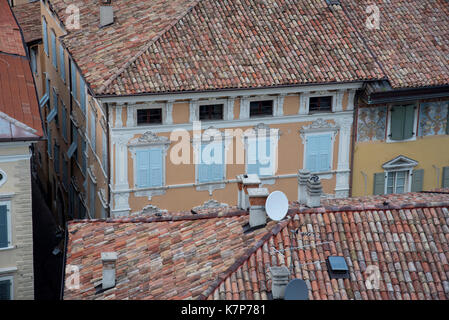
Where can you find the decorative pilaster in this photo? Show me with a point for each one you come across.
(193, 108)
(130, 116)
(169, 112)
(244, 108)
(344, 146)
(304, 103)
(229, 114)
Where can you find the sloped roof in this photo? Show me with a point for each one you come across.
(185, 256)
(29, 17)
(412, 42)
(19, 110)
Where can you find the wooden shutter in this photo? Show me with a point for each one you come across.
(379, 183)
(3, 226)
(217, 172)
(417, 180)
(409, 122)
(62, 62)
(203, 168)
(397, 123)
(53, 50)
(445, 183)
(143, 168)
(73, 76)
(44, 29)
(264, 151)
(312, 147)
(5, 290)
(156, 167)
(82, 94)
(253, 164)
(325, 145)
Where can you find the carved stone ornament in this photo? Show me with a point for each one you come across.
(148, 138)
(211, 204)
(152, 210)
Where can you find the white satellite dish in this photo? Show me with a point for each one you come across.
(276, 205)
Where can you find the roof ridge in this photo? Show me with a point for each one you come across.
(145, 47)
(173, 218)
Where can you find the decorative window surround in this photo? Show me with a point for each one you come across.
(4, 177)
(151, 210)
(278, 105)
(148, 140)
(211, 204)
(7, 203)
(415, 124)
(228, 108)
(337, 100)
(317, 127)
(400, 163)
(131, 109)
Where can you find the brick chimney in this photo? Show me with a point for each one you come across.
(108, 259)
(245, 182)
(314, 191)
(279, 280)
(303, 177)
(257, 214)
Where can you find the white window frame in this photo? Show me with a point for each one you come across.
(408, 165)
(261, 98)
(408, 180)
(8, 223)
(164, 158)
(148, 106)
(11, 279)
(197, 151)
(415, 122)
(275, 159)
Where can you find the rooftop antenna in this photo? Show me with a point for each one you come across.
(276, 206)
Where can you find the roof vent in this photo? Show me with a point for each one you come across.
(106, 15)
(337, 267)
(108, 259)
(333, 2)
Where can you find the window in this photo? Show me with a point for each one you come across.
(62, 62)
(261, 155)
(211, 166)
(73, 80)
(93, 133)
(320, 104)
(261, 108)
(54, 58)
(33, 54)
(211, 112)
(56, 158)
(6, 288)
(149, 116)
(318, 152)
(64, 123)
(65, 174)
(445, 183)
(149, 168)
(5, 225)
(396, 182)
(72, 152)
(402, 122)
(92, 198)
(104, 152)
(49, 142)
(45, 35)
(46, 97)
(83, 95)
(84, 157)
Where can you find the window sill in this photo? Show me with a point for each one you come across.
(7, 248)
(399, 141)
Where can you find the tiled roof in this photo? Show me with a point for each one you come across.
(10, 37)
(185, 256)
(29, 17)
(19, 110)
(100, 53)
(224, 44)
(412, 43)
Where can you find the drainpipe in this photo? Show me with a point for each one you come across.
(353, 138)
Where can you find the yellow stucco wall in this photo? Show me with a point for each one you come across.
(428, 151)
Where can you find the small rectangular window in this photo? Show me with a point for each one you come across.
(397, 182)
(149, 116)
(33, 54)
(45, 35)
(4, 226)
(211, 112)
(261, 108)
(320, 104)
(53, 50)
(6, 288)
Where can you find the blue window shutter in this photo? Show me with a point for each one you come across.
(44, 29)
(218, 168)
(325, 146)
(82, 94)
(156, 167)
(143, 168)
(3, 226)
(5, 290)
(62, 62)
(312, 147)
(73, 84)
(253, 164)
(54, 59)
(409, 121)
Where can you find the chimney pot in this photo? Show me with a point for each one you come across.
(303, 177)
(279, 280)
(108, 259)
(256, 199)
(245, 182)
(314, 190)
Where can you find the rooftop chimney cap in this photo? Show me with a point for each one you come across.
(106, 16)
(108, 256)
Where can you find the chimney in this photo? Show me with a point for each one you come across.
(279, 280)
(257, 214)
(245, 182)
(106, 13)
(108, 259)
(314, 190)
(303, 177)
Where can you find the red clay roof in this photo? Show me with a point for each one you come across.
(208, 255)
(412, 43)
(19, 110)
(29, 17)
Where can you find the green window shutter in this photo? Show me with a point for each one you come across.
(397, 123)
(3, 226)
(445, 177)
(379, 183)
(417, 180)
(409, 121)
(5, 290)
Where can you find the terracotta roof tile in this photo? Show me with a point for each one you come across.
(10, 36)
(29, 17)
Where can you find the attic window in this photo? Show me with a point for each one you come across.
(337, 267)
(320, 104)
